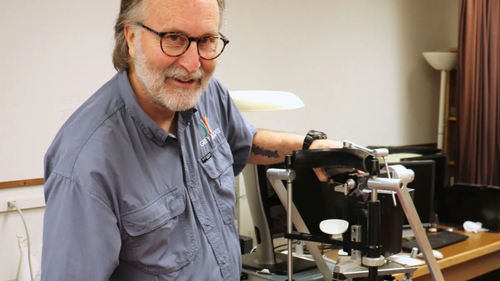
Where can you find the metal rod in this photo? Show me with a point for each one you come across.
(289, 224)
(413, 218)
(374, 197)
(389, 176)
(276, 176)
(289, 230)
(373, 273)
(373, 237)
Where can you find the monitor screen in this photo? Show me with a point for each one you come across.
(471, 203)
(270, 220)
(423, 186)
(308, 190)
(441, 174)
(273, 209)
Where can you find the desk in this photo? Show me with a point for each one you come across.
(477, 255)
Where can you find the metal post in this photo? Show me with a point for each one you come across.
(289, 221)
(411, 214)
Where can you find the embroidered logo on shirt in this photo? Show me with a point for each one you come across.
(209, 133)
(204, 124)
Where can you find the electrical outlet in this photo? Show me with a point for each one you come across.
(22, 203)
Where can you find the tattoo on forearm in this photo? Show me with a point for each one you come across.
(257, 150)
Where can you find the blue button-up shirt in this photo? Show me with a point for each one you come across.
(126, 200)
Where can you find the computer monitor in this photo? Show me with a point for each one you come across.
(466, 202)
(441, 174)
(273, 209)
(269, 219)
(311, 201)
(423, 189)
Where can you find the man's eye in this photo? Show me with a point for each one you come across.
(209, 40)
(174, 41)
(173, 37)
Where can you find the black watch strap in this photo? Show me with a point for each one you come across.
(311, 136)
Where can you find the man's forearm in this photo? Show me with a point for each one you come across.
(271, 147)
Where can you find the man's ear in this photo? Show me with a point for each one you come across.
(129, 33)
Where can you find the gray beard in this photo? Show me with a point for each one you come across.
(153, 80)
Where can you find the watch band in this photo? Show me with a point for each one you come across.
(311, 136)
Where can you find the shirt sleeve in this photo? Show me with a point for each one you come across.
(240, 134)
(81, 238)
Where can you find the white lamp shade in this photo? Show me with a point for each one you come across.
(265, 100)
(441, 60)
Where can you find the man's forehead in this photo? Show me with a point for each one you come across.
(177, 6)
(166, 12)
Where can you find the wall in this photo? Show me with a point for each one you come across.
(357, 65)
(53, 55)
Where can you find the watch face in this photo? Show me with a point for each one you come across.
(317, 134)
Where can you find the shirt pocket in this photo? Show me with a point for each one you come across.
(160, 239)
(219, 169)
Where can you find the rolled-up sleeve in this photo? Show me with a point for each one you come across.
(81, 238)
(240, 136)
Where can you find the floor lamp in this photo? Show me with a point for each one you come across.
(252, 101)
(443, 61)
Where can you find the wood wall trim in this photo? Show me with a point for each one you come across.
(21, 183)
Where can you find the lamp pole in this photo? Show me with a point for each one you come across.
(441, 118)
(442, 61)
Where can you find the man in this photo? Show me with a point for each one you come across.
(140, 179)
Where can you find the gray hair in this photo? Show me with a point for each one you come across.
(132, 12)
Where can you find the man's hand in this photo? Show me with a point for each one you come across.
(318, 144)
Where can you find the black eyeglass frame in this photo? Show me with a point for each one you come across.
(191, 39)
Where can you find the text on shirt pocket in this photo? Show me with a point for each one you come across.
(219, 169)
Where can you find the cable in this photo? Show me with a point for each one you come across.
(13, 205)
(279, 246)
(296, 242)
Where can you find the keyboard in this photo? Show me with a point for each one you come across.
(439, 240)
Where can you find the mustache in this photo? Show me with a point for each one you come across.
(180, 73)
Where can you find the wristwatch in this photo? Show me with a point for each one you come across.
(311, 136)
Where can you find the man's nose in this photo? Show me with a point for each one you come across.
(190, 60)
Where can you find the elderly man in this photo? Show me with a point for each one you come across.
(140, 179)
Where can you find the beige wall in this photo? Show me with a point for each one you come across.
(357, 65)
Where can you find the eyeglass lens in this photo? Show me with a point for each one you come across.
(209, 47)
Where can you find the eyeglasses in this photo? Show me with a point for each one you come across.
(174, 44)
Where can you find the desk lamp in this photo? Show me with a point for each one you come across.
(254, 101)
(443, 61)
